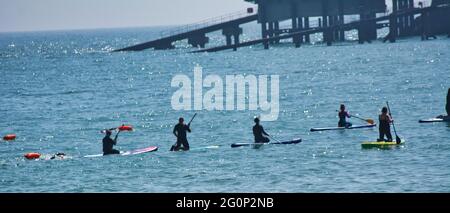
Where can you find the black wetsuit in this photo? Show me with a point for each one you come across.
(258, 132)
(180, 131)
(342, 119)
(385, 129)
(447, 107)
(108, 144)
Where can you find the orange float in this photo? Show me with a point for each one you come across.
(9, 137)
(32, 155)
(126, 128)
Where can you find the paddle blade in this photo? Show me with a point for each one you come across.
(370, 121)
(397, 139)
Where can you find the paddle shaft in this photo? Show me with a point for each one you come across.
(359, 118)
(192, 119)
(274, 139)
(397, 138)
(366, 120)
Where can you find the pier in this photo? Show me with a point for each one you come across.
(196, 33)
(331, 19)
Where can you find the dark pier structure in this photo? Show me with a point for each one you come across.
(330, 18)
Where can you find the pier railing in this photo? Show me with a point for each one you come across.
(205, 23)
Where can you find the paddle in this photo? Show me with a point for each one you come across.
(120, 128)
(192, 119)
(368, 120)
(397, 139)
(274, 138)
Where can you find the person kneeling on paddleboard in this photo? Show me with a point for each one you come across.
(259, 133)
(108, 143)
(180, 132)
(385, 128)
(342, 117)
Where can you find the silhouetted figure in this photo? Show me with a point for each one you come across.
(385, 127)
(109, 143)
(343, 115)
(447, 106)
(58, 155)
(259, 133)
(180, 131)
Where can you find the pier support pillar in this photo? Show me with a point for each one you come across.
(198, 40)
(327, 34)
(341, 20)
(234, 32)
(294, 25)
(270, 31)
(264, 34)
(263, 20)
(236, 41)
(307, 36)
(393, 30)
(276, 31)
(296, 38)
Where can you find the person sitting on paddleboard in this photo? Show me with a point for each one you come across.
(342, 118)
(385, 128)
(180, 132)
(108, 143)
(259, 133)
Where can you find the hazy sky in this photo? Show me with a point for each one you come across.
(32, 15)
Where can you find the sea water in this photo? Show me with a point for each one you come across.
(59, 89)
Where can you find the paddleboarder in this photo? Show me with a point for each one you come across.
(447, 107)
(59, 155)
(109, 143)
(180, 131)
(343, 115)
(385, 128)
(259, 133)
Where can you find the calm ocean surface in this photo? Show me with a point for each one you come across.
(59, 89)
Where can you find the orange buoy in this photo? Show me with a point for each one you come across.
(9, 137)
(32, 155)
(126, 128)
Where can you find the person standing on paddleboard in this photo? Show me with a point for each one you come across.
(385, 128)
(447, 107)
(180, 132)
(259, 133)
(108, 143)
(342, 117)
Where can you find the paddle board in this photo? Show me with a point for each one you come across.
(434, 120)
(381, 145)
(200, 148)
(133, 152)
(294, 141)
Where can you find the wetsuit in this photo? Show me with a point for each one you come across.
(385, 128)
(180, 131)
(108, 144)
(342, 119)
(447, 107)
(258, 132)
